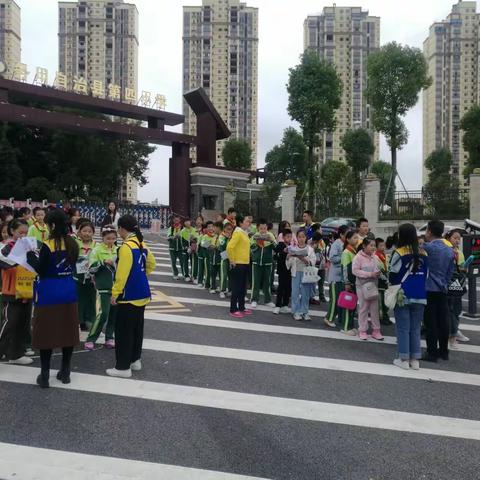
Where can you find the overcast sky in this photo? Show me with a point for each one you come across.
(281, 43)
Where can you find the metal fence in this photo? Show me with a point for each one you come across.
(453, 204)
(340, 205)
(258, 205)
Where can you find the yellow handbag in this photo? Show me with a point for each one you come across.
(24, 283)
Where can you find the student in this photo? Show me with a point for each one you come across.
(220, 218)
(231, 217)
(262, 246)
(366, 271)
(187, 234)
(441, 264)
(225, 264)
(382, 261)
(175, 244)
(320, 248)
(238, 253)
(363, 229)
(17, 296)
(273, 288)
(73, 216)
(453, 239)
(131, 292)
(103, 261)
(284, 290)
(201, 257)
(3, 241)
(215, 257)
(282, 226)
(308, 222)
(409, 269)
(112, 216)
(194, 247)
(25, 213)
(87, 296)
(349, 279)
(296, 263)
(38, 229)
(207, 244)
(252, 229)
(335, 278)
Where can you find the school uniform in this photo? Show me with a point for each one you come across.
(225, 264)
(207, 242)
(194, 253)
(348, 279)
(382, 262)
(262, 262)
(215, 262)
(175, 247)
(132, 292)
(284, 289)
(320, 251)
(103, 275)
(87, 295)
(335, 280)
(186, 235)
(40, 232)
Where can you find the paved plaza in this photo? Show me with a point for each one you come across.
(265, 397)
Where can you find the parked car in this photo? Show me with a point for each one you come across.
(332, 224)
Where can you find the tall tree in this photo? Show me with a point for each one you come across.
(470, 124)
(11, 177)
(237, 154)
(383, 170)
(396, 75)
(359, 148)
(286, 161)
(439, 164)
(314, 90)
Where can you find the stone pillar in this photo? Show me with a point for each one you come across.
(475, 195)
(289, 194)
(372, 201)
(179, 179)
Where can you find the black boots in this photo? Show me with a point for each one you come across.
(64, 376)
(42, 380)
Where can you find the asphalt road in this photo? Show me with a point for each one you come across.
(264, 397)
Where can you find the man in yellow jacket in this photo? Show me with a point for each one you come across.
(238, 253)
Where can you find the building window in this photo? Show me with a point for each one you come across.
(209, 202)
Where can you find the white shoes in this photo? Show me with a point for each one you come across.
(414, 364)
(461, 337)
(175, 277)
(270, 305)
(195, 282)
(29, 352)
(276, 310)
(222, 295)
(188, 279)
(136, 366)
(402, 364)
(307, 317)
(113, 372)
(297, 317)
(21, 361)
(213, 291)
(285, 310)
(452, 343)
(254, 305)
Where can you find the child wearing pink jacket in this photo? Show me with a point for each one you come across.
(366, 270)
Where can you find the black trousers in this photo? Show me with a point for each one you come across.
(284, 289)
(128, 335)
(321, 285)
(238, 283)
(437, 324)
(15, 329)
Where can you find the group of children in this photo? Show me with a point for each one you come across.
(94, 275)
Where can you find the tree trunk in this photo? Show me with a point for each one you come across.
(310, 179)
(390, 192)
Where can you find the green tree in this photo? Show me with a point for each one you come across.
(359, 148)
(237, 154)
(470, 124)
(439, 164)
(383, 170)
(314, 90)
(11, 178)
(286, 161)
(396, 75)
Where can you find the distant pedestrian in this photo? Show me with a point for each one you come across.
(284, 290)
(112, 216)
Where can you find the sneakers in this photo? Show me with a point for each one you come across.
(21, 361)
(136, 366)
(89, 346)
(212, 291)
(314, 301)
(363, 335)
(175, 277)
(247, 312)
(377, 335)
(297, 317)
(328, 323)
(461, 337)
(402, 364)
(285, 310)
(270, 305)
(276, 311)
(195, 281)
(29, 352)
(110, 343)
(237, 314)
(452, 343)
(254, 304)
(113, 372)
(222, 295)
(188, 279)
(307, 317)
(350, 333)
(414, 364)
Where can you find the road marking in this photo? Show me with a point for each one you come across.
(263, 327)
(162, 303)
(261, 404)
(29, 463)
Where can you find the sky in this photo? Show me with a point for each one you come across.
(280, 45)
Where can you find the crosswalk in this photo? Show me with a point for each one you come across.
(260, 398)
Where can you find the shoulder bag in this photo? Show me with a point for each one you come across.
(391, 293)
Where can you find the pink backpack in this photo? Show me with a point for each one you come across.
(347, 300)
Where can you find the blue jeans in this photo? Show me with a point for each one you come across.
(301, 293)
(408, 321)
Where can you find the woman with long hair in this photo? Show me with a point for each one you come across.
(112, 216)
(409, 269)
(55, 320)
(131, 292)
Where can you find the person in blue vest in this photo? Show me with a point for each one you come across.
(131, 292)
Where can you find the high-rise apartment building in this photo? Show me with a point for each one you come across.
(452, 51)
(10, 35)
(220, 54)
(98, 40)
(345, 36)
